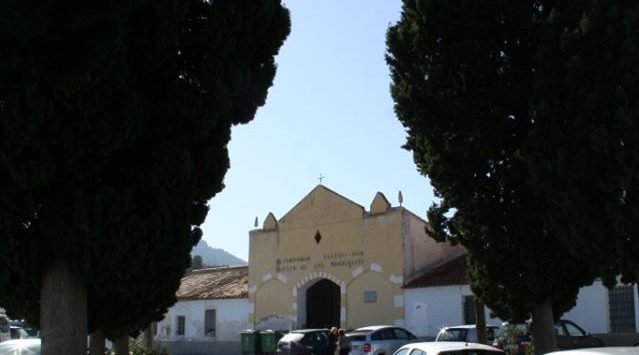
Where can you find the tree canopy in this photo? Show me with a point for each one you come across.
(462, 79)
(114, 122)
(584, 149)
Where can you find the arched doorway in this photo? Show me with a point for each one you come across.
(323, 304)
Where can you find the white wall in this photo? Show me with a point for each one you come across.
(429, 309)
(231, 318)
(591, 311)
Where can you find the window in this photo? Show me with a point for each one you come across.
(573, 330)
(469, 309)
(370, 296)
(402, 334)
(209, 322)
(181, 325)
(622, 309)
(383, 334)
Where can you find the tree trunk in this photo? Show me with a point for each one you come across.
(543, 329)
(97, 343)
(480, 318)
(122, 343)
(63, 311)
(148, 336)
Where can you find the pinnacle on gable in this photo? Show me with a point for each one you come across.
(380, 204)
(270, 223)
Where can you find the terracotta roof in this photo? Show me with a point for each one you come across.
(452, 272)
(215, 283)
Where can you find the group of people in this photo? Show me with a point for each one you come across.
(338, 342)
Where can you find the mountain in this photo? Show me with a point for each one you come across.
(215, 257)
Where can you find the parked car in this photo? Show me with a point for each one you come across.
(616, 350)
(516, 337)
(29, 346)
(466, 332)
(378, 340)
(304, 342)
(447, 348)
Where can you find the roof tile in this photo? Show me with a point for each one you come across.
(215, 283)
(452, 272)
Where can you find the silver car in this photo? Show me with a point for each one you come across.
(378, 340)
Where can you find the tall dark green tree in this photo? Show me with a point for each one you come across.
(114, 121)
(462, 75)
(584, 150)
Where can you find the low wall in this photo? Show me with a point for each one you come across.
(203, 347)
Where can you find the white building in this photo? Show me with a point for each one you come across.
(213, 308)
(441, 297)
(211, 311)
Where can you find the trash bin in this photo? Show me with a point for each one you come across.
(268, 340)
(250, 342)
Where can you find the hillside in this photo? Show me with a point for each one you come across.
(213, 256)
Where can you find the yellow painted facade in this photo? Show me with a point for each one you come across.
(367, 255)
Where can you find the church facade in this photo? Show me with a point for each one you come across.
(330, 262)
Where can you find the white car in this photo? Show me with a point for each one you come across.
(467, 333)
(617, 350)
(447, 348)
(20, 347)
(378, 339)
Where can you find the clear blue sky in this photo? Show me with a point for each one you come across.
(329, 111)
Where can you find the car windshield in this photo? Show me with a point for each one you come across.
(452, 334)
(292, 337)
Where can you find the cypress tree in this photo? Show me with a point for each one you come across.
(114, 122)
(584, 150)
(462, 74)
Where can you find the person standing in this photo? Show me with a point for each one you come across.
(332, 341)
(343, 343)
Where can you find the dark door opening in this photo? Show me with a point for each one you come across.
(322, 305)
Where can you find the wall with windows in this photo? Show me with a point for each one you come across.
(327, 236)
(600, 310)
(204, 320)
(597, 310)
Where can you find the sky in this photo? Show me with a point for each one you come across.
(328, 112)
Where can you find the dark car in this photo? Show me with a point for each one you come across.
(515, 338)
(304, 342)
(571, 336)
